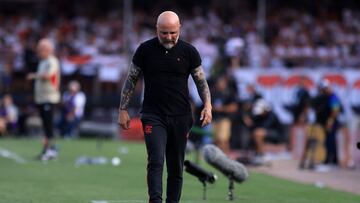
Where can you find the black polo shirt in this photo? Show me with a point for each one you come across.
(166, 74)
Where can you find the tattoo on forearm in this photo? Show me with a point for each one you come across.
(129, 86)
(201, 84)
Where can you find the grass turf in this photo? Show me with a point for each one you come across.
(60, 181)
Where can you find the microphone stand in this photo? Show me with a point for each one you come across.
(231, 188)
(203, 181)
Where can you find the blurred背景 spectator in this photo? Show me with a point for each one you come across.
(73, 104)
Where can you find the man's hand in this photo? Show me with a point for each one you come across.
(206, 116)
(204, 92)
(124, 119)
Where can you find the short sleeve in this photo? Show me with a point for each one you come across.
(138, 56)
(335, 102)
(195, 59)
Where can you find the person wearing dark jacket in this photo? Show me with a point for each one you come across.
(265, 125)
(327, 107)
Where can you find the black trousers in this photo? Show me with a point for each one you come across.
(46, 113)
(165, 137)
(331, 145)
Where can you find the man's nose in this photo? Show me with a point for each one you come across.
(168, 36)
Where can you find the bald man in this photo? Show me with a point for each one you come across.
(166, 63)
(47, 94)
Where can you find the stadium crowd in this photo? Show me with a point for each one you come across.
(226, 36)
(293, 37)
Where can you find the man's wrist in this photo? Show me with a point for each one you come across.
(208, 106)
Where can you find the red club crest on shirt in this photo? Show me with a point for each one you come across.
(148, 129)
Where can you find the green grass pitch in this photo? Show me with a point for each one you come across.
(60, 181)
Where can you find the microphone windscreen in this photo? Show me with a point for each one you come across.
(215, 157)
(199, 172)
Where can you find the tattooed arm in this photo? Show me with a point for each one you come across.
(204, 92)
(126, 94)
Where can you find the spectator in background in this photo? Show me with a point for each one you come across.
(302, 103)
(30, 58)
(265, 126)
(355, 126)
(299, 110)
(224, 106)
(73, 104)
(6, 77)
(247, 115)
(208, 52)
(252, 93)
(2, 119)
(233, 49)
(327, 108)
(258, 53)
(47, 94)
(11, 113)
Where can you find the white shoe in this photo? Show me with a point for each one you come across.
(49, 154)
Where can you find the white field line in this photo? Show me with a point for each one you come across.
(118, 201)
(11, 155)
(126, 201)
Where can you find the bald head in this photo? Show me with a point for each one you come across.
(168, 28)
(167, 18)
(45, 48)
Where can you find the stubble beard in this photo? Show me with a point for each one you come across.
(169, 45)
